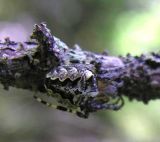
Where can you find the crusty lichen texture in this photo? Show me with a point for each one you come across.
(83, 81)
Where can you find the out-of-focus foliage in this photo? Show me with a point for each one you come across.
(123, 26)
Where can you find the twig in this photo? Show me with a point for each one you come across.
(25, 65)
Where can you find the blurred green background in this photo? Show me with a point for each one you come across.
(120, 27)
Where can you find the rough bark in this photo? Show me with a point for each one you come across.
(25, 65)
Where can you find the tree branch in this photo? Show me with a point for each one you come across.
(25, 65)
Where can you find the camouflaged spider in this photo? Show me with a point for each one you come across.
(75, 89)
(74, 84)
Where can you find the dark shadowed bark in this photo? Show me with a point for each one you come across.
(25, 65)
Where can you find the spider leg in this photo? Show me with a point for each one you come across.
(44, 102)
(56, 96)
(50, 93)
(82, 115)
(62, 108)
(116, 105)
(111, 106)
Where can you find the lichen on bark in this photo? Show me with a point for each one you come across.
(25, 65)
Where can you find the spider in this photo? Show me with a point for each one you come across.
(74, 84)
(75, 89)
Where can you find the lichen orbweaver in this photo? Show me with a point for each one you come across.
(74, 87)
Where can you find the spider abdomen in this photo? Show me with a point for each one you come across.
(73, 79)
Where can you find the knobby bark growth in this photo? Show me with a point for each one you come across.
(25, 65)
